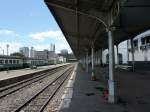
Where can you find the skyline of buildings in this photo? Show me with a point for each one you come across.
(43, 54)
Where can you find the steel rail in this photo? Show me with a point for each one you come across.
(18, 109)
(53, 94)
(33, 80)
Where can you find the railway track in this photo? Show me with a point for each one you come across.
(39, 101)
(43, 88)
(15, 87)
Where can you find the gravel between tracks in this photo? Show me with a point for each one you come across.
(8, 103)
(54, 104)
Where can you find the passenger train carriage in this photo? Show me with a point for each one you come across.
(14, 62)
(10, 62)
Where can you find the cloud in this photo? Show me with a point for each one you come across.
(7, 32)
(41, 47)
(62, 44)
(58, 39)
(58, 45)
(45, 35)
(13, 47)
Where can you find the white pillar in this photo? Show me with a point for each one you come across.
(117, 54)
(92, 58)
(92, 61)
(98, 59)
(111, 97)
(87, 62)
(145, 53)
(128, 51)
(101, 56)
(132, 51)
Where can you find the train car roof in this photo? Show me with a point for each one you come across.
(10, 57)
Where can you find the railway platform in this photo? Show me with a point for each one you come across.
(12, 76)
(132, 92)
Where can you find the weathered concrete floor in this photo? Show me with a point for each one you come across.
(133, 92)
(86, 98)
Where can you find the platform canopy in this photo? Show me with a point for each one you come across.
(84, 23)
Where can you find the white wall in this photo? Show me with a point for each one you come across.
(122, 48)
(140, 55)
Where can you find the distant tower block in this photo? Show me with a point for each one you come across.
(32, 52)
(54, 48)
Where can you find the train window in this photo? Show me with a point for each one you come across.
(135, 43)
(1, 61)
(147, 40)
(10, 61)
(6, 61)
(14, 61)
(143, 41)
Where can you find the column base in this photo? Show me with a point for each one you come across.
(93, 77)
(87, 71)
(111, 96)
(111, 99)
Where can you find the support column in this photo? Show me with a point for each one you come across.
(117, 54)
(111, 97)
(128, 51)
(101, 57)
(132, 51)
(145, 53)
(87, 62)
(92, 61)
(95, 58)
(98, 57)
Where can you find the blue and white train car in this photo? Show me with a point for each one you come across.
(10, 62)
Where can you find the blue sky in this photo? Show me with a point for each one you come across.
(28, 23)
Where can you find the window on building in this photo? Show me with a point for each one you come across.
(147, 39)
(135, 43)
(143, 41)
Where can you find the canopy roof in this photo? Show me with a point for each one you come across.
(84, 22)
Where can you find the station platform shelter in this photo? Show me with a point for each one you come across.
(90, 27)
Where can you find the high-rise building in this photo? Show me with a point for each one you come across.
(52, 47)
(64, 52)
(45, 54)
(24, 51)
(42, 54)
(32, 52)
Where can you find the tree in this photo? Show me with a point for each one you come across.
(17, 54)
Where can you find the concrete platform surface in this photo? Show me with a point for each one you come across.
(4, 75)
(86, 96)
(132, 90)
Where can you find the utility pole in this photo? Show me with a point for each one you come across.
(2, 50)
(7, 56)
(7, 48)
